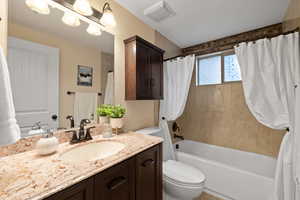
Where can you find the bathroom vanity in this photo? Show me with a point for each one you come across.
(139, 177)
(133, 173)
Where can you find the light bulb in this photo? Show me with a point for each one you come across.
(39, 6)
(94, 29)
(71, 19)
(108, 18)
(83, 7)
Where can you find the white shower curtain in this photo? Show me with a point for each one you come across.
(9, 129)
(270, 74)
(177, 79)
(109, 89)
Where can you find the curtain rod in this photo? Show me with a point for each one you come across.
(285, 33)
(172, 58)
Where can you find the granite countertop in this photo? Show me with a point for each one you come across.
(27, 176)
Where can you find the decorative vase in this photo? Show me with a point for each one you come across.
(103, 120)
(116, 123)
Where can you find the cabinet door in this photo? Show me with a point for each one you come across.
(79, 191)
(149, 174)
(143, 70)
(156, 81)
(116, 183)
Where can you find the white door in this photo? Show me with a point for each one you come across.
(34, 72)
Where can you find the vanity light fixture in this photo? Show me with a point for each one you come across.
(81, 10)
(107, 18)
(94, 29)
(83, 7)
(39, 6)
(70, 19)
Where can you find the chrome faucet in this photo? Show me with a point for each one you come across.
(36, 126)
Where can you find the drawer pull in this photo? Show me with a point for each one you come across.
(116, 182)
(148, 162)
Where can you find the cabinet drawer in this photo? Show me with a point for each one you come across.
(149, 175)
(116, 183)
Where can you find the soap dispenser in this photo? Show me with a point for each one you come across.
(48, 144)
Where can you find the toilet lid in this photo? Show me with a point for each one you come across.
(181, 173)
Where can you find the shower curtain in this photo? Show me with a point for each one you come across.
(109, 89)
(177, 79)
(9, 129)
(270, 74)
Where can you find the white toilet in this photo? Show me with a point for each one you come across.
(181, 181)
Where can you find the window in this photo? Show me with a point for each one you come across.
(209, 70)
(217, 69)
(231, 68)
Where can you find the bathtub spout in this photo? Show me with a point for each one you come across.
(178, 136)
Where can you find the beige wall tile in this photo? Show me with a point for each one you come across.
(292, 16)
(218, 115)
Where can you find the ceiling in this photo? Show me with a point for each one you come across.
(19, 13)
(198, 21)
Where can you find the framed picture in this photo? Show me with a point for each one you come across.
(85, 76)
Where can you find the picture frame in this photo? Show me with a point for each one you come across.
(85, 76)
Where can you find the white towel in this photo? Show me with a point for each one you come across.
(85, 105)
(9, 130)
(109, 90)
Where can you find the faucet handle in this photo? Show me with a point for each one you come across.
(36, 126)
(74, 136)
(88, 133)
(84, 122)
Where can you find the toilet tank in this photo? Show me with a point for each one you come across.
(168, 151)
(154, 131)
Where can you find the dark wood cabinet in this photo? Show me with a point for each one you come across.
(148, 175)
(138, 178)
(116, 183)
(80, 191)
(144, 70)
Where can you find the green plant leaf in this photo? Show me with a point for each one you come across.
(117, 111)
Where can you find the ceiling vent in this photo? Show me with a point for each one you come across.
(159, 11)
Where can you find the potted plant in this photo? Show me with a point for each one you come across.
(103, 112)
(116, 115)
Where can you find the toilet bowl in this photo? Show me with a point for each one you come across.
(180, 181)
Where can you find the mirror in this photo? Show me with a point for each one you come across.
(56, 70)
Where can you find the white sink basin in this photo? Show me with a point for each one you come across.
(92, 151)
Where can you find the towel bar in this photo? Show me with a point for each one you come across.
(71, 93)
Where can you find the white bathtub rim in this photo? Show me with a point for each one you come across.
(225, 166)
(227, 148)
(268, 160)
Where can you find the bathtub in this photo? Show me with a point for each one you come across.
(231, 174)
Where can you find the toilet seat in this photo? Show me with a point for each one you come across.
(183, 175)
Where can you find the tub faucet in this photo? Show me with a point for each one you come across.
(178, 136)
